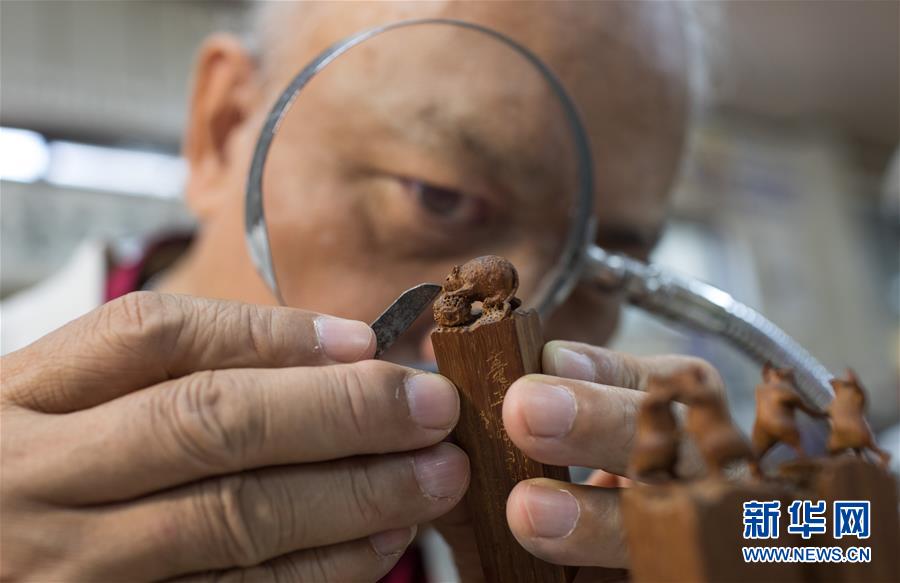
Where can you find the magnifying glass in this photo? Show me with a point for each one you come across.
(454, 141)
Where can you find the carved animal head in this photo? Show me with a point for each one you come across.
(777, 375)
(848, 387)
(687, 384)
(453, 281)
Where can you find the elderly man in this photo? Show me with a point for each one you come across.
(196, 429)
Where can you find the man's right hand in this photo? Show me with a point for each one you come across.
(163, 436)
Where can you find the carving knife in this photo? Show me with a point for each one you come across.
(400, 315)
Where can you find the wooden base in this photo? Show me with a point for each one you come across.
(694, 532)
(851, 478)
(483, 363)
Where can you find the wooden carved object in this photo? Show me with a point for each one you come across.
(491, 280)
(849, 428)
(691, 531)
(709, 424)
(853, 478)
(657, 435)
(776, 403)
(483, 353)
(684, 530)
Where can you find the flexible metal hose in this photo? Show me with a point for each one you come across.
(703, 307)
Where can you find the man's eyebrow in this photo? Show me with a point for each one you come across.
(514, 163)
(462, 131)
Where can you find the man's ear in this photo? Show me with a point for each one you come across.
(224, 93)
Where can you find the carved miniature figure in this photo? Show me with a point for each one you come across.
(657, 435)
(489, 279)
(709, 423)
(776, 402)
(849, 428)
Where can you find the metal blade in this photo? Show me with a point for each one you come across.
(401, 314)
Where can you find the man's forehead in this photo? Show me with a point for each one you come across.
(565, 34)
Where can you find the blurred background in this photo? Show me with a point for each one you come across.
(789, 200)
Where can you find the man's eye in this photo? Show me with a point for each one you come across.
(448, 205)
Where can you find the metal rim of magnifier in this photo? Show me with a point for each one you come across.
(564, 275)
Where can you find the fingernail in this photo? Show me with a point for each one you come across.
(553, 513)
(549, 409)
(432, 400)
(571, 365)
(442, 472)
(392, 542)
(344, 340)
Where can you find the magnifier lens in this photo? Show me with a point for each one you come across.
(414, 151)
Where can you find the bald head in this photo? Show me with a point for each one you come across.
(678, 43)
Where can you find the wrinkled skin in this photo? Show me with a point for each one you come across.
(175, 436)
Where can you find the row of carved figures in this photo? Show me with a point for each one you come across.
(720, 443)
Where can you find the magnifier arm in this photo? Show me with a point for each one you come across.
(703, 307)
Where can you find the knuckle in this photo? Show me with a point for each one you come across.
(318, 569)
(321, 567)
(230, 509)
(706, 371)
(630, 371)
(151, 320)
(259, 324)
(139, 313)
(355, 399)
(315, 564)
(630, 409)
(164, 322)
(365, 503)
(209, 420)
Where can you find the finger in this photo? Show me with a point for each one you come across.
(571, 422)
(146, 338)
(602, 479)
(360, 560)
(222, 422)
(567, 524)
(574, 360)
(245, 519)
(576, 423)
